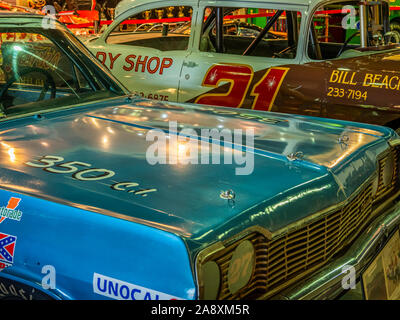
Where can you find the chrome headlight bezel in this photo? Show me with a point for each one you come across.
(388, 170)
(211, 276)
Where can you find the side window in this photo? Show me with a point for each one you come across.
(335, 30)
(251, 31)
(165, 29)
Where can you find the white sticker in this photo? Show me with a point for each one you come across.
(121, 290)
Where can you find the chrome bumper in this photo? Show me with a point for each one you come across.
(327, 282)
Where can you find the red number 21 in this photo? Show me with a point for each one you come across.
(267, 88)
(240, 78)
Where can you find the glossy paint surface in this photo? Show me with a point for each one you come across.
(187, 197)
(78, 243)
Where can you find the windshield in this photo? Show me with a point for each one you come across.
(43, 69)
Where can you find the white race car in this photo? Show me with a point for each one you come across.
(332, 58)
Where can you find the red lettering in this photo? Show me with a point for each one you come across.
(142, 63)
(10, 36)
(165, 64)
(128, 60)
(112, 59)
(104, 55)
(149, 69)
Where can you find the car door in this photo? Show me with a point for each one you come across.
(263, 77)
(145, 47)
(361, 81)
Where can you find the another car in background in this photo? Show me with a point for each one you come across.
(330, 59)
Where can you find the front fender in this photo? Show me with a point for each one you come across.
(81, 244)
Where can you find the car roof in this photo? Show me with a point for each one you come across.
(25, 20)
(127, 4)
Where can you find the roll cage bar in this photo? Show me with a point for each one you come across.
(216, 18)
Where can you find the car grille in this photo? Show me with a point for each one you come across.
(383, 190)
(282, 261)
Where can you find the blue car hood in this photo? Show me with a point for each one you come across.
(334, 159)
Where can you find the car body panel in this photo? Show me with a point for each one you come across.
(316, 98)
(86, 139)
(50, 234)
(161, 79)
(148, 70)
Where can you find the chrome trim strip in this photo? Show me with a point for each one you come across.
(394, 142)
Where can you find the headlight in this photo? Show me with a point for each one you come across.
(241, 266)
(211, 277)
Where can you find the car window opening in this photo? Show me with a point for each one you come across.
(348, 29)
(164, 29)
(251, 32)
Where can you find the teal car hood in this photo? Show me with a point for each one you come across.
(332, 159)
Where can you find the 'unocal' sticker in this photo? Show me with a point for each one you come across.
(121, 290)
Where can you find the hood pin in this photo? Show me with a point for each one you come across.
(344, 141)
(295, 156)
(228, 195)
